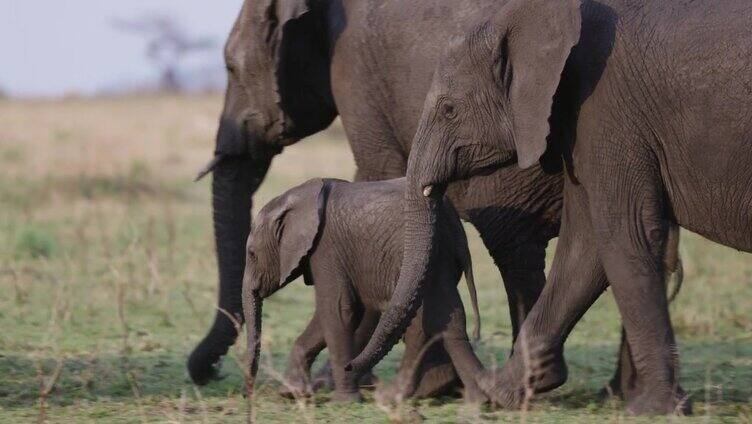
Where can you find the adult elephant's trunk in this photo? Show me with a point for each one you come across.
(236, 178)
(420, 214)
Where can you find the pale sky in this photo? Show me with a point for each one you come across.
(55, 47)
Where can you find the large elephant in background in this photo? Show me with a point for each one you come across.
(293, 66)
(653, 122)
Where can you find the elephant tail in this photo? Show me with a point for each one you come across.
(470, 280)
(466, 261)
(677, 276)
(673, 263)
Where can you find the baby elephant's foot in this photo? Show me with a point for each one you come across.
(347, 397)
(660, 402)
(325, 381)
(475, 395)
(393, 393)
(295, 387)
(499, 393)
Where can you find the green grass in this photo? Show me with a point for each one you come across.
(107, 273)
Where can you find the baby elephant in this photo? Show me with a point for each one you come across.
(346, 239)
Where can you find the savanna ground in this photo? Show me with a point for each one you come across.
(108, 280)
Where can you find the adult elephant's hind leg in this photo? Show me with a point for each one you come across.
(631, 235)
(623, 384)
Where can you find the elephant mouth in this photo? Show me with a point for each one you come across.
(464, 164)
(488, 162)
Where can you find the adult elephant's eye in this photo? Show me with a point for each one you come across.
(449, 110)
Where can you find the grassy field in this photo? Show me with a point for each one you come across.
(108, 279)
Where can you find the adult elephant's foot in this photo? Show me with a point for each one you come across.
(657, 401)
(205, 362)
(519, 379)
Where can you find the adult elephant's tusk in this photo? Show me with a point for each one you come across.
(209, 167)
(427, 191)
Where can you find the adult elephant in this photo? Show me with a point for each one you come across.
(293, 66)
(653, 121)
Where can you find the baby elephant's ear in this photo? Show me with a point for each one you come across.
(299, 225)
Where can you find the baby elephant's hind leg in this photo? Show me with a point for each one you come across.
(426, 369)
(446, 316)
(324, 379)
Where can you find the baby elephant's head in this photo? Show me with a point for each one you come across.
(277, 249)
(283, 237)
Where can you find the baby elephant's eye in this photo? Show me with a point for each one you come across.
(449, 110)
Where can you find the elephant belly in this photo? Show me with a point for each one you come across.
(713, 196)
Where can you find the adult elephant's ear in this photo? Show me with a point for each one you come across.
(284, 46)
(535, 39)
(298, 224)
(302, 66)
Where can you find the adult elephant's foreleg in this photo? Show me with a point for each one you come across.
(235, 180)
(575, 281)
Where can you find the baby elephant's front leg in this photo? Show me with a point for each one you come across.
(339, 315)
(298, 375)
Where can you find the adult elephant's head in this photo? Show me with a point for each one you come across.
(278, 92)
(489, 103)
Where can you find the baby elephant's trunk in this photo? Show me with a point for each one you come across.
(252, 304)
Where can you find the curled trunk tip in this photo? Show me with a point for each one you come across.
(419, 233)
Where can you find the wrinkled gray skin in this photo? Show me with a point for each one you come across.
(293, 66)
(346, 240)
(654, 123)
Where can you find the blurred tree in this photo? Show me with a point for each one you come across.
(167, 44)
